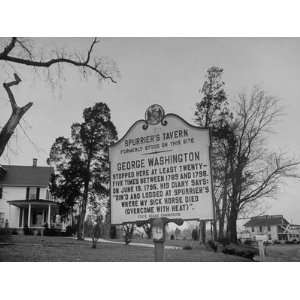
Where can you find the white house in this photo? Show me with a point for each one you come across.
(276, 227)
(25, 199)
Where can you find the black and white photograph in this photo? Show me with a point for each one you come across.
(147, 150)
(209, 171)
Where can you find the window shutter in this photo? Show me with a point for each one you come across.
(38, 193)
(27, 193)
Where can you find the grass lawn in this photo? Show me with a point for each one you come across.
(285, 252)
(31, 248)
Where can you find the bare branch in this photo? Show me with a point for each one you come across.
(85, 63)
(8, 48)
(7, 87)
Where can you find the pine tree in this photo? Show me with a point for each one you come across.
(82, 161)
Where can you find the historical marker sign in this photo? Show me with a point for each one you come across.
(161, 169)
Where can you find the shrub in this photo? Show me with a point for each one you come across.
(14, 231)
(224, 241)
(26, 230)
(187, 247)
(248, 242)
(113, 232)
(195, 235)
(4, 231)
(70, 230)
(241, 250)
(213, 245)
(289, 242)
(52, 232)
(268, 242)
(97, 232)
(4, 235)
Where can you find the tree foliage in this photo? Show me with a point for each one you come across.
(81, 161)
(213, 111)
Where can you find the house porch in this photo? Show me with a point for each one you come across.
(36, 213)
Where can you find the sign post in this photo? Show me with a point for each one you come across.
(159, 237)
(260, 240)
(160, 172)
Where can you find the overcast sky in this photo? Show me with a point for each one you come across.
(168, 71)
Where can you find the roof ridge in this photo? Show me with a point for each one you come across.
(29, 166)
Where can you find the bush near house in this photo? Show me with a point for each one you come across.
(187, 247)
(213, 245)
(113, 232)
(241, 250)
(224, 241)
(5, 237)
(70, 230)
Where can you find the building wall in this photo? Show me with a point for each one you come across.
(11, 212)
(265, 230)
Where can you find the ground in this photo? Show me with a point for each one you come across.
(285, 252)
(31, 248)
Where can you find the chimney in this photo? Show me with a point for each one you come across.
(34, 162)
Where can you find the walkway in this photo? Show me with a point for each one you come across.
(134, 244)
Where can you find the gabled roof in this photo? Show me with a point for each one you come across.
(267, 220)
(26, 176)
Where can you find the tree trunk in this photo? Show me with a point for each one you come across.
(221, 229)
(215, 231)
(10, 126)
(16, 115)
(80, 232)
(202, 232)
(232, 228)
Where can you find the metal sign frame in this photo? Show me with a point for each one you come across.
(163, 121)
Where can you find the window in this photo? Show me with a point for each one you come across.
(260, 228)
(32, 193)
(269, 228)
(1, 192)
(252, 229)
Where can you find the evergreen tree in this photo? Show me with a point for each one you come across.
(213, 112)
(82, 161)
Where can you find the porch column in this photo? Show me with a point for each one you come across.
(49, 215)
(29, 215)
(23, 216)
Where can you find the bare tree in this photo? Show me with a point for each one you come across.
(244, 171)
(20, 51)
(254, 172)
(16, 114)
(128, 232)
